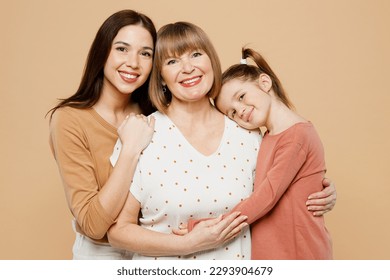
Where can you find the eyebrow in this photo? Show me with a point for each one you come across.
(128, 45)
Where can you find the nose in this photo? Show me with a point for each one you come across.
(132, 60)
(241, 112)
(187, 66)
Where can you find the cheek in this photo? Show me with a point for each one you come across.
(110, 65)
(147, 66)
(166, 75)
(210, 74)
(220, 106)
(106, 69)
(223, 103)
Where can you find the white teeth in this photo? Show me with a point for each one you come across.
(191, 81)
(128, 76)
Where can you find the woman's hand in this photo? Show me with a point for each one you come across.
(212, 233)
(324, 201)
(136, 132)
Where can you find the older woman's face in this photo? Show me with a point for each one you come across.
(188, 77)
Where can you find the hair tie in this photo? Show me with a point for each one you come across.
(243, 61)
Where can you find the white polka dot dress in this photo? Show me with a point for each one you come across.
(174, 182)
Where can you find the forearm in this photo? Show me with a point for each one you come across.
(113, 194)
(137, 239)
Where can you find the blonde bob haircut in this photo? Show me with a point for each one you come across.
(173, 40)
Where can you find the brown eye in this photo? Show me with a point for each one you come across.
(121, 49)
(171, 61)
(196, 54)
(147, 54)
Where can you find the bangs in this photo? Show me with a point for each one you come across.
(177, 41)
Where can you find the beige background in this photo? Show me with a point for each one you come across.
(332, 56)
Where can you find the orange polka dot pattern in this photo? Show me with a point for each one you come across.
(175, 182)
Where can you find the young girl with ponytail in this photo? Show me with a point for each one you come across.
(291, 164)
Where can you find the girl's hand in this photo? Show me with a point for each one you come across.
(324, 201)
(182, 230)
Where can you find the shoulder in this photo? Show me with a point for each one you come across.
(303, 134)
(162, 122)
(69, 118)
(157, 115)
(303, 131)
(69, 113)
(254, 136)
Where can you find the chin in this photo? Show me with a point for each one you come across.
(251, 127)
(246, 126)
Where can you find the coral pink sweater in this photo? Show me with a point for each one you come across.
(290, 166)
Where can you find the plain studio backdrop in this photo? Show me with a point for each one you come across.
(332, 57)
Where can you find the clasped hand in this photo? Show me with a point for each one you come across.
(214, 232)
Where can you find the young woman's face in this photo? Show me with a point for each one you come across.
(188, 77)
(130, 60)
(245, 103)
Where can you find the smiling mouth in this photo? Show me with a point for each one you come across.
(249, 114)
(191, 82)
(128, 75)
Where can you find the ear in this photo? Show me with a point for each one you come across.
(265, 82)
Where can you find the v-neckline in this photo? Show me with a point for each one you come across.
(102, 121)
(191, 147)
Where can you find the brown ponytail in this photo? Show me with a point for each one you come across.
(247, 72)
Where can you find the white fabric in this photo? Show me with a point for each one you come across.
(85, 248)
(174, 182)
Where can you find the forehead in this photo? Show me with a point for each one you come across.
(229, 91)
(231, 87)
(178, 44)
(136, 34)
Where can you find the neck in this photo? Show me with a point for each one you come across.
(200, 123)
(191, 112)
(281, 117)
(115, 107)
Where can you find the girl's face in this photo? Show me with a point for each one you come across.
(245, 103)
(130, 60)
(188, 77)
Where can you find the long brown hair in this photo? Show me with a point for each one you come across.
(177, 39)
(248, 72)
(91, 84)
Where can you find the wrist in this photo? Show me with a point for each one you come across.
(187, 245)
(129, 150)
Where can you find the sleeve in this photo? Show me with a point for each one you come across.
(135, 186)
(288, 160)
(115, 154)
(78, 173)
